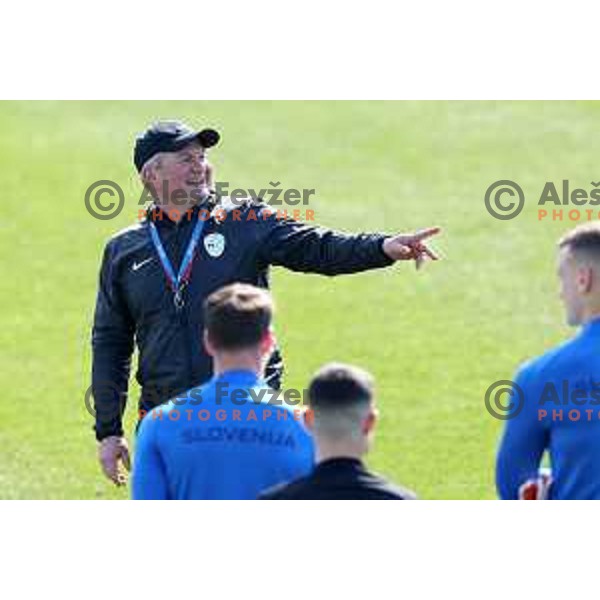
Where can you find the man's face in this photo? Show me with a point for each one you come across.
(575, 281)
(187, 170)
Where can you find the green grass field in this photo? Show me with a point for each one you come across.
(435, 340)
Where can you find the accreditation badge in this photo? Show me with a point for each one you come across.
(214, 244)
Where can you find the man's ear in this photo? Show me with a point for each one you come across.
(584, 279)
(210, 349)
(147, 175)
(309, 418)
(370, 421)
(267, 343)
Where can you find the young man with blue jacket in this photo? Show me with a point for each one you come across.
(558, 405)
(230, 438)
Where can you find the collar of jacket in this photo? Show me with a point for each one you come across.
(154, 210)
(242, 377)
(341, 462)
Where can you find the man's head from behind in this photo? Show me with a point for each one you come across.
(579, 273)
(342, 410)
(237, 327)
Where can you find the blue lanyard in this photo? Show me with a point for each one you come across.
(179, 281)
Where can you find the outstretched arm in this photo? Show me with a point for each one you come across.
(300, 247)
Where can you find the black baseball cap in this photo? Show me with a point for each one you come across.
(169, 136)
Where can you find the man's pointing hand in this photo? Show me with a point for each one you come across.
(411, 246)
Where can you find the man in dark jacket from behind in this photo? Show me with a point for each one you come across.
(342, 416)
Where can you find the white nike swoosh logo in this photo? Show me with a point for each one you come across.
(135, 266)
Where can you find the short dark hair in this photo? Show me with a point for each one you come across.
(337, 385)
(237, 316)
(585, 237)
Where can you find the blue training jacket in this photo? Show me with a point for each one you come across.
(228, 439)
(560, 414)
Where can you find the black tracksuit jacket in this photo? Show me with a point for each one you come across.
(135, 303)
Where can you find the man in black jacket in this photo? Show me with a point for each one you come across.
(342, 416)
(156, 275)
